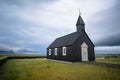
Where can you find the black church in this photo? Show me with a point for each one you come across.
(73, 47)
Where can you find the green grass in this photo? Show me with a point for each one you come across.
(103, 55)
(42, 69)
(110, 60)
(101, 58)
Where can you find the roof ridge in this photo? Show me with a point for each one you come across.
(66, 35)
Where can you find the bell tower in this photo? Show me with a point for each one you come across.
(80, 24)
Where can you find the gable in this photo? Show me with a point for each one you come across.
(87, 37)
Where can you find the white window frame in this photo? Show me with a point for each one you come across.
(64, 51)
(49, 52)
(56, 51)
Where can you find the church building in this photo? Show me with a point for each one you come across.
(73, 47)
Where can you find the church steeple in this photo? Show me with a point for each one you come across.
(80, 24)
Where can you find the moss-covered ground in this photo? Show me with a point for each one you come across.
(42, 69)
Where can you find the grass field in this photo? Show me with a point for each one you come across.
(42, 69)
(110, 60)
(101, 58)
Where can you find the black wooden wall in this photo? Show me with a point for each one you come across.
(74, 51)
(59, 56)
(76, 48)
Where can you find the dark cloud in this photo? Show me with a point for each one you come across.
(110, 41)
(109, 27)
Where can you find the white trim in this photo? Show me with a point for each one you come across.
(84, 45)
(56, 51)
(49, 51)
(64, 51)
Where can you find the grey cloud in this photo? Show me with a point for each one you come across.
(11, 25)
(108, 26)
(25, 2)
(109, 41)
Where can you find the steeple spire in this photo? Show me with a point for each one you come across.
(80, 23)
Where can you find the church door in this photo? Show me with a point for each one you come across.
(84, 52)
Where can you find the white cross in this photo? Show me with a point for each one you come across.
(79, 12)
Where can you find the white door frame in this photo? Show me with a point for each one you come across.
(84, 52)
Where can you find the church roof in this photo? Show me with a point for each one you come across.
(80, 21)
(65, 40)
(68, 40)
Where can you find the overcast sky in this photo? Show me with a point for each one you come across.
(32, 25)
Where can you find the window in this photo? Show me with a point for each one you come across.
(55, 51)
(64, 51)
(49, 52)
